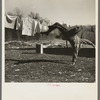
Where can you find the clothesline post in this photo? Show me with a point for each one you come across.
(18, 35)
(39, 48)
(41, 37)
(27, 38)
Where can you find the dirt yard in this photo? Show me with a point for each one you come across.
(25, 65)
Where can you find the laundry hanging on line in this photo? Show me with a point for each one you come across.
(18, 24)
(29, 27)
(13, 22)
(34, 26)
(44, 27)
(38, 27)
(10, 21)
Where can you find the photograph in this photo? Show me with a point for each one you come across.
(49, 50)
(50, 41)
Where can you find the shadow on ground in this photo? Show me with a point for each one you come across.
(33, 61)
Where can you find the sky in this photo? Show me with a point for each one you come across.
(71, 12)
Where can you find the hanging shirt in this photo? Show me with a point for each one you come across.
(18, 24)
(10, 21)
(28, 26)
(38, 27)
(44, 27)
(34, 27)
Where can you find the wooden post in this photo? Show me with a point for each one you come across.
(39, 48)
(18, 34)
(66, 43)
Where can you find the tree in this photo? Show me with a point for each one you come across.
(32, 15)
(37, 16)
(47, 21)
(10, 13)
(16, 12)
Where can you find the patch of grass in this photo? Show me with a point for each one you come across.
(27, 66)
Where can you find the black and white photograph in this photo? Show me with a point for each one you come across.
(52, 42)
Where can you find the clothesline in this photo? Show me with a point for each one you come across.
(28, 25)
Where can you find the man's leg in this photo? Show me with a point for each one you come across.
(75, 53)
